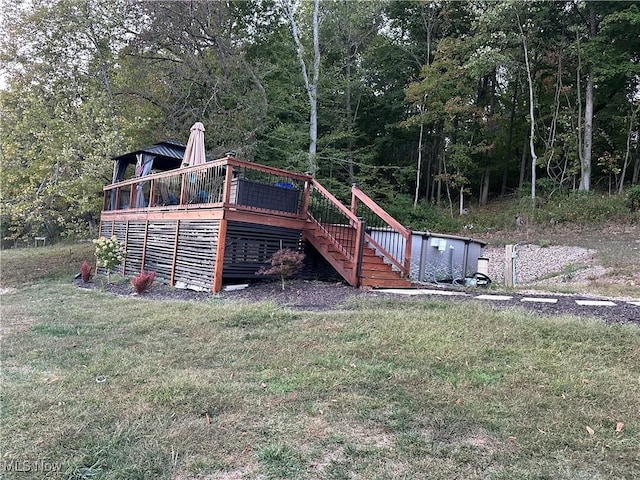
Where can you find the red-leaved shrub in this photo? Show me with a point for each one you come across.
(285, 263)
(143, 281)
(85, 271)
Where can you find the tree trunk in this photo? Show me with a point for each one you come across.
(585, 165)
(532, 130)
(635, 179)
(523, 163)
(484, 191)
(311, 85)
(512, 118)
(627, 153)
(419, 166)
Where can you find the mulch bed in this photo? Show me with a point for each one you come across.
(311, 295)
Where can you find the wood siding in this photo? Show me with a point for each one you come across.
(183, 252)
(249, 246)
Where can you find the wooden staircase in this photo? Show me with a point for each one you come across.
(375, 272)
(339, 235)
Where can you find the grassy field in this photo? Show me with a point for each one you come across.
(101, 387)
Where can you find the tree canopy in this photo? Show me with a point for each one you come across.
(415, 98)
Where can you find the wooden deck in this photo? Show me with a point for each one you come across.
(198, 226)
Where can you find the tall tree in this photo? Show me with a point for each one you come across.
(310, 75)
(60, 118)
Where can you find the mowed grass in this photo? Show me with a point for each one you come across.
(107, 387)
(101, 387)
(24, 265)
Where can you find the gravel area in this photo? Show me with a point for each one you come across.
(544, 265)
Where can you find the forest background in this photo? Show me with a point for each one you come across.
(427, 105)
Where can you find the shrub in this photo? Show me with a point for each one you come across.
(85, 272)
(632, 198)
(109, 253)
(285, 262)
(142, 282)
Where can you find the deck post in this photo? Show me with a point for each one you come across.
(126, 246)
(357, 253)
(354, 199)
(183, 190)
(407, 254)
(152, 193)
(219, 260)
(226, 188)
(175, 254)
(144, 245)
(306, 195)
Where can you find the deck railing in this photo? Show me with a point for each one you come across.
(338, 224)
(240, 185)
(214, 184)
(384, 233)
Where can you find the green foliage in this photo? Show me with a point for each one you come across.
(424, 216)
(580, 207)
(109, 253)
(632, 198)
(82, 87)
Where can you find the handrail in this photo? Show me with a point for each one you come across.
(303, 177)
(337, 203)
(400, 258)
(343, 229)
(168, 173)
(378, 210)
(210, 184)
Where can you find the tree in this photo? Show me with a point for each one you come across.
(310, 78)
(59, 115)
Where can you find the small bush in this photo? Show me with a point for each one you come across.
(632, 198)
(85, 272)
(142, 282)
(285, 262)
(109, 253)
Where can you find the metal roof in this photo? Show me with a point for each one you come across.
(168, 153)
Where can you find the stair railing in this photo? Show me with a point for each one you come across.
(384, 233)
(338, 224)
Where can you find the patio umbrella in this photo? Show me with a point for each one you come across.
(194, 153)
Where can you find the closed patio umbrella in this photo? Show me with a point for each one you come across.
(194, 153)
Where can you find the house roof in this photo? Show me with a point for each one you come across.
(168, 155)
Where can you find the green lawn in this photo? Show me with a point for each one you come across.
(102, 387)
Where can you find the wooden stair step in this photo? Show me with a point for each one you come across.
(375, 267)
(385, 283)
(389, 274)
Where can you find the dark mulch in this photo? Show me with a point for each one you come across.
(321, 296)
